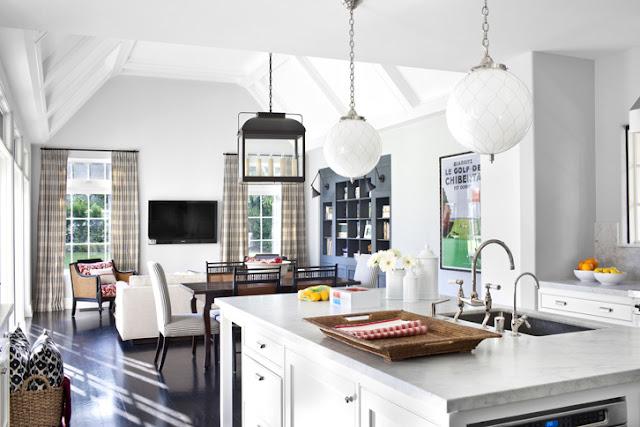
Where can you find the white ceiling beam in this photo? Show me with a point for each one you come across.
(79, 98)
(399, 86)
(147, 69)
(65, 64)
(126, 47)
(34, 60)
(322, 84)
(85, 71)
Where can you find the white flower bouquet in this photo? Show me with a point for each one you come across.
(392, 259)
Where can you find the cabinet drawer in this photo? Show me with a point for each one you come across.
(261, 395)
(605, 310)
(264, 346)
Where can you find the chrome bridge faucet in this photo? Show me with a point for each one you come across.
(515, 321)
(473, 299)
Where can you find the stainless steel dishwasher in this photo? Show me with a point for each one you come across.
(610, 413)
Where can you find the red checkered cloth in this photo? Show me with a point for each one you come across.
(393, 328)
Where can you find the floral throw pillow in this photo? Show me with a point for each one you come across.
(86, 268)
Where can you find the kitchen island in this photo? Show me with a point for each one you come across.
(292, 375)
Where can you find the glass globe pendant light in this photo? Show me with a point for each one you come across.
(352, 147)
(490, 110)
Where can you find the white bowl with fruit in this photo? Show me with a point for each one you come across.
(609, 276)
(585, 270)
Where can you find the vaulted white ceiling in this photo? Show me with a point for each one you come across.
(64, 71)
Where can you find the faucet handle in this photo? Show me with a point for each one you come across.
(458, 282)
(434, 304)
(490, 286)
(526, 322)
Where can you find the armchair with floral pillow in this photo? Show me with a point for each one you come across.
(95, 280)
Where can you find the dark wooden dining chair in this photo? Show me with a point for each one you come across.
(304, 277)
(257, 281)
(222, 271)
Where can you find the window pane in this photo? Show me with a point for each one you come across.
(67, 256)
(107, 231)
(107, 208)
(80, 231)
(69, 171)
(97, 251)
(254, 248)
(96, 231)
(96, 205)
(80, 206)
(79, 252)
(108, 167)
(254, 205)
(68, 205)
(97, 170)
(254, 228)
(267, 246)
(267, 205)
(68, 236)
(266, 228)
(80, 171)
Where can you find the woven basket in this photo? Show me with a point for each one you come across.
(36, 408)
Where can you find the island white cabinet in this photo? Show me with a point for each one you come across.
(261, 395)
(375, 411)
(317, 397)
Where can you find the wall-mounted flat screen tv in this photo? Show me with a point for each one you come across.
(179, 221)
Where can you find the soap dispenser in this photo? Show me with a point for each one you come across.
(427, 274)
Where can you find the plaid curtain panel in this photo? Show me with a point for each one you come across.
(234, 231)
(125, 210)
(294, 238)
(52, 215)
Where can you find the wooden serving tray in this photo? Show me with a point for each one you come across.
(443, 337)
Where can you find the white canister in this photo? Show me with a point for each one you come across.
(394, 284)
(427, 274)
(410, 287)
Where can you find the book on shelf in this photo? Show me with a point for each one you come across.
(328, 212)
(369, 215)
(386, 211)
(358, 211)
(357, 192)
(358, 229)
(329, 246)
(386, 230)
(342, 229)
(345, 253)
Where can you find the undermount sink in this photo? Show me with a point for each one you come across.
(539, 326)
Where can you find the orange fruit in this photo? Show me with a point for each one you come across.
(587, 266)
(594, 262)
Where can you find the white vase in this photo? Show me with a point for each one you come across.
(427, 272)
(394, 284)
(410, 287)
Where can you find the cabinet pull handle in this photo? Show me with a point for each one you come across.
(3, 371)
(606, 309)
(348, 399)
(261, 344)
(259, 377)
(558, 302)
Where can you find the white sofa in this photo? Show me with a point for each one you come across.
(136, 309)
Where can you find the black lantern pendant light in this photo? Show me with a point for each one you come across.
(271, 145)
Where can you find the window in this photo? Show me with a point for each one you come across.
(88, 210)
(264, 219)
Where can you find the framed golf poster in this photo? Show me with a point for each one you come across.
(459, 210)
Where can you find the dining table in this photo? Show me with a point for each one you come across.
(213, 290)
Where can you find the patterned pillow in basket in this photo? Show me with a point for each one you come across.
(45, 360)
(18, 337)
(18, 366)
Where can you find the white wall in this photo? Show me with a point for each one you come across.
(617, 85)
(415, 150)
(182, 129)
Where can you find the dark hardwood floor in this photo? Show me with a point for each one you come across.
(114, 383)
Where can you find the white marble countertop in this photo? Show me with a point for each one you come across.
(626, 289)
(498, 371)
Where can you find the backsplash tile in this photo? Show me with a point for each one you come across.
(608, 253)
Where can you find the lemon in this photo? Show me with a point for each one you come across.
(598, 270)
(325, 295)
(315, 296)
(606, 270)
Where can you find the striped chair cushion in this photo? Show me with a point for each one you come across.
(187, 325)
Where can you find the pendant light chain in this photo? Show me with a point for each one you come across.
(352, 104)
(270, 85)
(485, 29)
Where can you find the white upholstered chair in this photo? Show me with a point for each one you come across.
(368, 276)
(173, 325)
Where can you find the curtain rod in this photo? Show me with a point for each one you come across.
(229, 154)
(88, 149)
